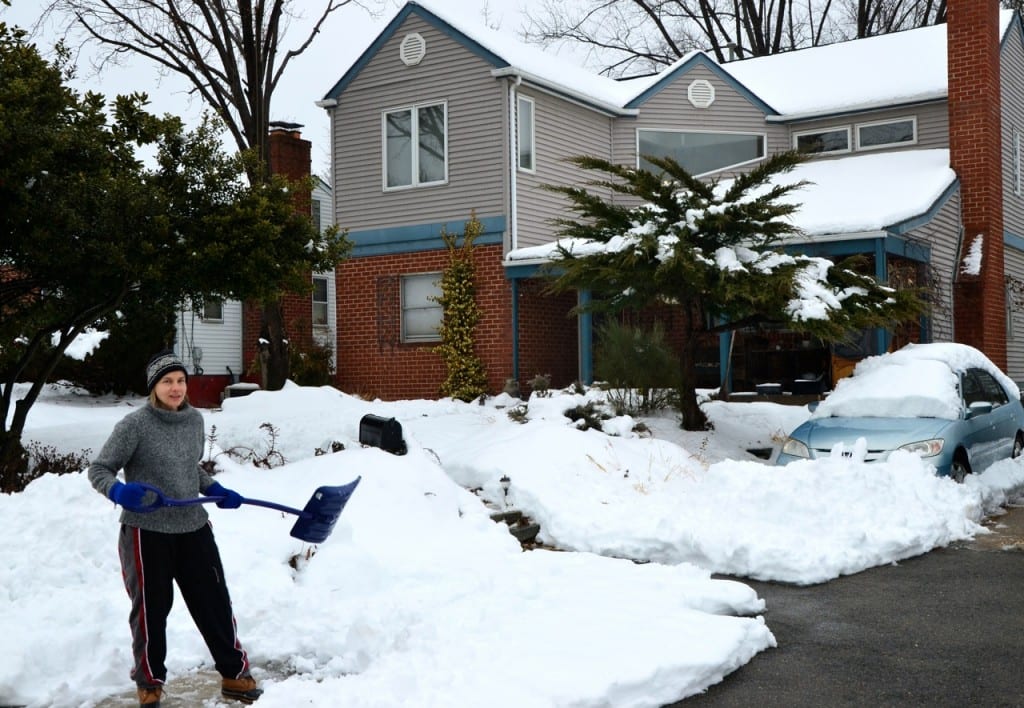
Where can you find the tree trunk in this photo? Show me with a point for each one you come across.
(274, 357)
(693, 416)
(13, 463)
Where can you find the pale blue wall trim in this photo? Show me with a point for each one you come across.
(586, 329)
(420, 237)
(712, 66)
(724, 345)
(895, 245)
(903, 227)
(515, 330)
(1013, 240)
(349, 76)
(518, 272)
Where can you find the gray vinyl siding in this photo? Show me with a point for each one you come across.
(477, 137)
(562, 130)
(942, 236)
(670, 109)
(1012, 68)
(1014, 263)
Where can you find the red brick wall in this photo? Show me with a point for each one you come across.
(975, 135)
(548, 336)
(373, 362)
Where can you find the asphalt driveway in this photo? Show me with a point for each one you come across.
(943, 629)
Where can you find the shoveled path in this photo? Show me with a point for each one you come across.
(943, 629)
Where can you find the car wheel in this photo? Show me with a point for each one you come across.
(960, 467)
(1018, 446)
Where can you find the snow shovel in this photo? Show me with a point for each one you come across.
(315, 522)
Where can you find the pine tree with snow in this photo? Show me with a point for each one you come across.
(711, 250)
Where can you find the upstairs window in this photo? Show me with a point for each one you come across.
(320, 301)
(421, 312)
(525, 135)
(823, 141)
(886, 133)
(699, 153)
(415, 146)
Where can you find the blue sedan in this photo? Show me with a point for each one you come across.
(946, 402)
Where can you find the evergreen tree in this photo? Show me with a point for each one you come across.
(87, 229)
(710, 250)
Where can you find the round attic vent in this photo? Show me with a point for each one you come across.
(701, 93)
(413, 49)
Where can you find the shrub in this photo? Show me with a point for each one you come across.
(639, 366)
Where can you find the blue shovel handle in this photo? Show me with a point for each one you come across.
(162, 500)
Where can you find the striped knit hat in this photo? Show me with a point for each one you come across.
(163, 363)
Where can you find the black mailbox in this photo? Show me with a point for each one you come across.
(385, 433)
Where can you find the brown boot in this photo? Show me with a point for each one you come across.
(242, 689)
(149, 696)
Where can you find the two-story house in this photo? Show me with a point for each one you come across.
(915, 139)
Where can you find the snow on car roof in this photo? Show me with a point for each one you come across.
(919, 380)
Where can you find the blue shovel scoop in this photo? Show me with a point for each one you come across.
(315, 522)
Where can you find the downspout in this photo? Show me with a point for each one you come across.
(513, 222)
(881, 275)
(513, 163)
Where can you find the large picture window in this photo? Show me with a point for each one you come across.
(525, 134)
(699, 153)
(415, 146)
(421, 312)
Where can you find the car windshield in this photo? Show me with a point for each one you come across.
(918, 389)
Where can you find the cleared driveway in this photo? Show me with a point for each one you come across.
(943, 629)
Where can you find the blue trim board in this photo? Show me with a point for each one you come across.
(895, 245)
(1013, 240)
(586, 337)
(901, 227)
(702, 59)
(411, 8)
(420, 237)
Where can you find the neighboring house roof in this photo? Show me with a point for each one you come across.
(850, 196)
(893, 69)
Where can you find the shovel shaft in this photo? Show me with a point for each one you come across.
(162, 500)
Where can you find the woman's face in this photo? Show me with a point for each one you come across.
(171, 388)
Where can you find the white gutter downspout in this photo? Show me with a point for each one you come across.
(513, 221)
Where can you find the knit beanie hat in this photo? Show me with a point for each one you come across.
(163, 363)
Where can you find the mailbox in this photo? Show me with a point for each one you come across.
(385, 433)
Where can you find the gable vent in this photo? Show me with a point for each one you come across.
(701, 93)
(413, 49)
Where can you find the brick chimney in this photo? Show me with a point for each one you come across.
(975, 142)
(289, 153)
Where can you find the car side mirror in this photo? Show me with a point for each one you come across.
(979, 408)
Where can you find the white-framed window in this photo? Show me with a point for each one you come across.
(827, 140)
(1018, 149)
(421, 312)
(415, 146)
(884, 133)
(525, 134)
(213, 310)
(314, 207)
(699, 152)
(320, 301)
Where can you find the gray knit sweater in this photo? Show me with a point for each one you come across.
(162, 448)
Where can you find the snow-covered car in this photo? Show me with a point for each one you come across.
(946, 402)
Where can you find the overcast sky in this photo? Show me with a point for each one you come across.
(345, 35)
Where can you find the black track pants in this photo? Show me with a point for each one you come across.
(150, 563)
